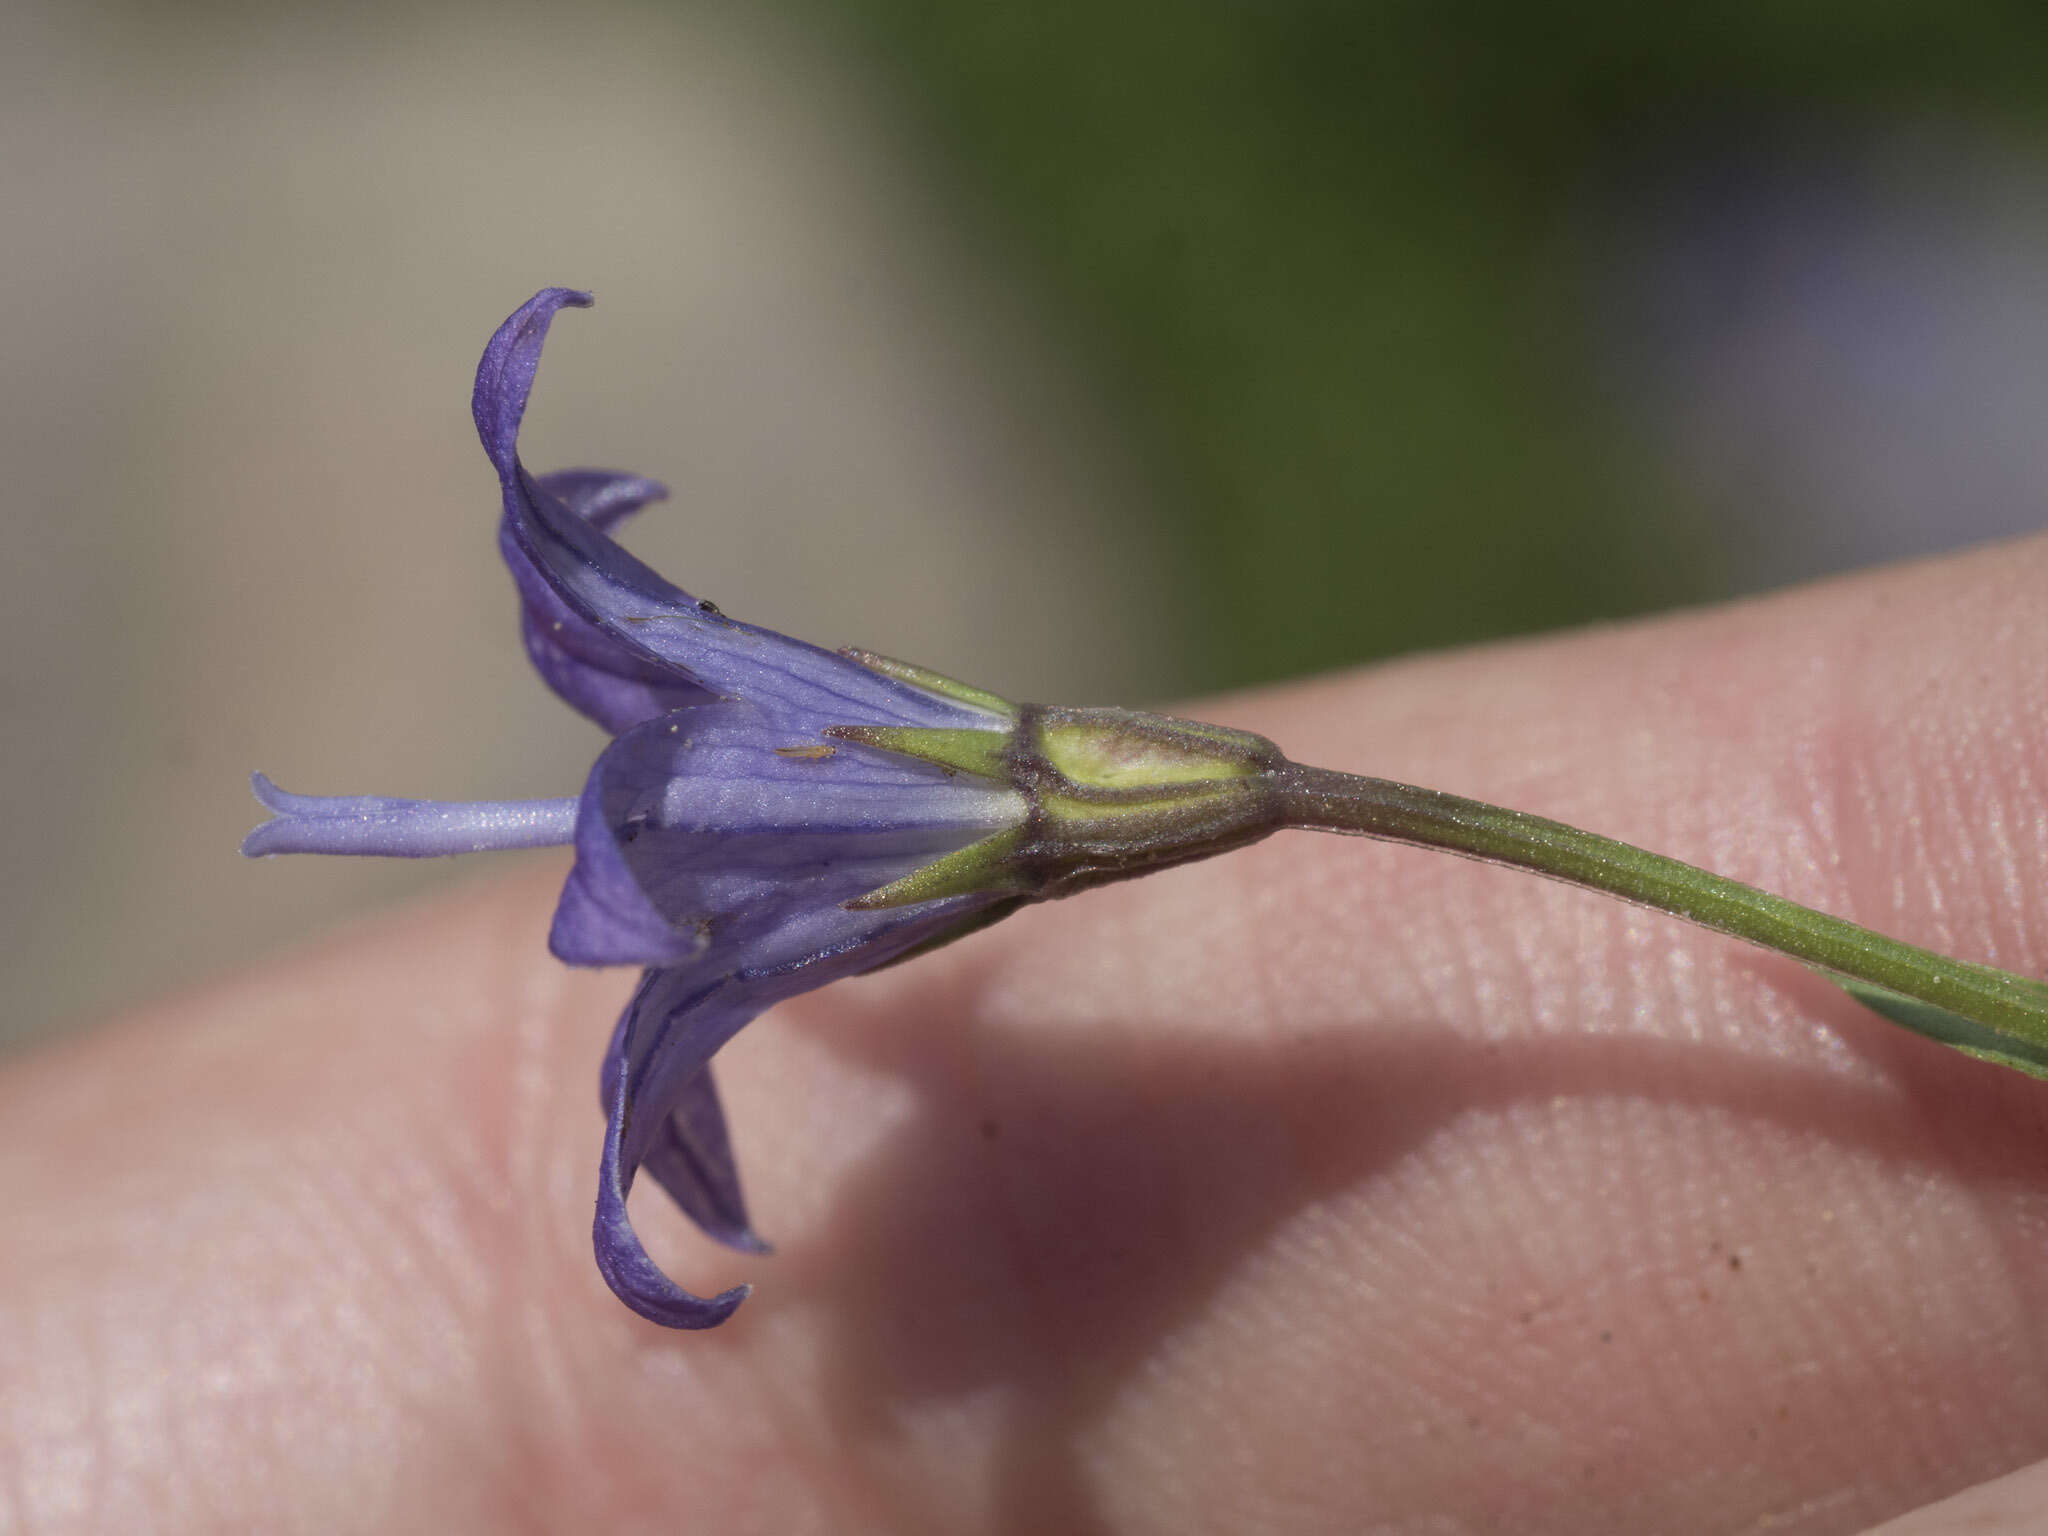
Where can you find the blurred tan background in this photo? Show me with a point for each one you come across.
(1091, 350)
(251, 258)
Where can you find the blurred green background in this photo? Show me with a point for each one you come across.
(1104, 353)
(1315, 249)
(1341, 263)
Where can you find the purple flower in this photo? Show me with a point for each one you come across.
(720, 835)
(769, 816)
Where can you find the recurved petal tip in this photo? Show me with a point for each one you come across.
(603, 498)
(505, 376)
(636, 1281)
(634, 1277)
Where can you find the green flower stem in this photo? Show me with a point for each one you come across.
(1951, 995)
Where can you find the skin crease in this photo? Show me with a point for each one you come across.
(1326, 1186)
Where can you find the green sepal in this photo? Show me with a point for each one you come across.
(985, 754)
(1950, 1029)
(933, 682)
(979, 868)
(1116, 749)
(1101, 795)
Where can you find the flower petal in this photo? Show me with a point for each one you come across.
(504, 376)
(642, 613)
(712, 828)
(668, 1035)
(603, 498)
(615, 682)
(692, 1157)
(693, 1161)
(604, 917)
(593, 673)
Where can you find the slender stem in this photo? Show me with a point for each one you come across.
(1340, 802)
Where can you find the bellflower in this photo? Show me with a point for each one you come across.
(769, 817)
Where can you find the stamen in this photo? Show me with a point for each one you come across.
(404, 829)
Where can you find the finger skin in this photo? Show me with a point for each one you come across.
(1327, 1186)
(2016, 1505)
